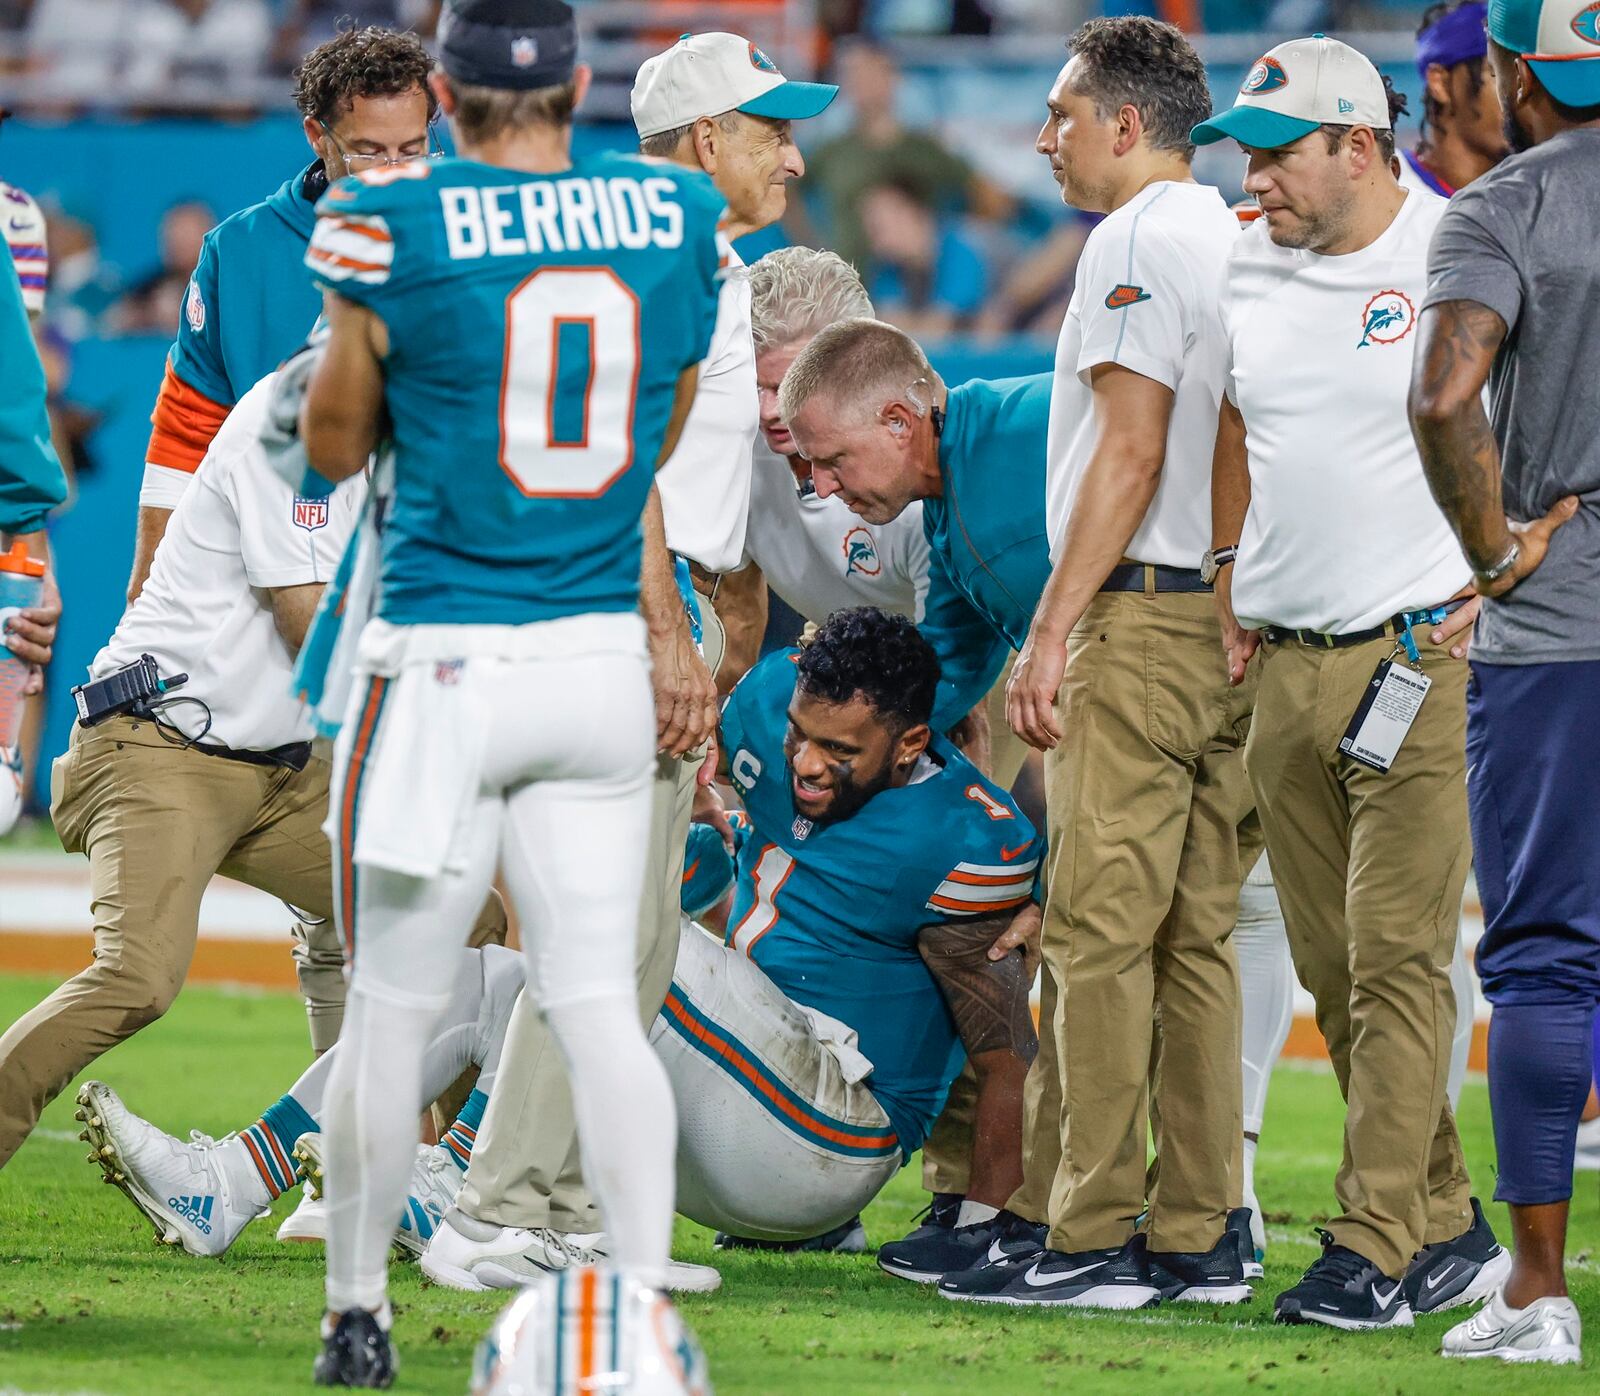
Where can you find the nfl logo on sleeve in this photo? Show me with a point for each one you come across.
(310, 514)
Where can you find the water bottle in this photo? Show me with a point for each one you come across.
(21, 586)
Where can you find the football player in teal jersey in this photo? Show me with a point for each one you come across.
(527, 328)
(882, 925)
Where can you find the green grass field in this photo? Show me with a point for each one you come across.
(88, 1303)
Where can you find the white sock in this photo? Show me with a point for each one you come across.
(627, 1126)
(1250, 1171)
(1266, 990)
(371, 1133)
(972, 1213)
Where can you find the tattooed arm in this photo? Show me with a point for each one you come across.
(989, 1000)
(1457, 344)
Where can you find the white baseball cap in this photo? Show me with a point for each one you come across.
(1559, 38)
(709, 74)
(1296, 88)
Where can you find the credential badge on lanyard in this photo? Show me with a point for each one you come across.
(1392, 700)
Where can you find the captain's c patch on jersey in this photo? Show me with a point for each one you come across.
(351, 247)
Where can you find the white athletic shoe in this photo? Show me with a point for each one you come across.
(192, 1198)
(1548, 1330)
(435, 1181)
(309, 1221)
(477, 1256)
(1586, 1158)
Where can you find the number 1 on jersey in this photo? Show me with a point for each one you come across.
(771, 872)
(566, 426)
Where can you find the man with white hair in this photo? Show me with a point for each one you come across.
(813, 552)
(716, 103)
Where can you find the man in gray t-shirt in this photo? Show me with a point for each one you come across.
(1513, 302)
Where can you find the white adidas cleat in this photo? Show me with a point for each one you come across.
(476, 1256)
(435, 1181)
(309, 1220)
(1548, 1330)
(185, 1190)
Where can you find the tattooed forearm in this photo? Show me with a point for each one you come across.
(1457, 344)
(987, 998)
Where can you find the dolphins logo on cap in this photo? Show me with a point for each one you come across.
(761, 61)
(1266, 76)
(1586, 24)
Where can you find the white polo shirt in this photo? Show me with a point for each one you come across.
(705, 484)
(238, 532)
(1146, 297)
(1342, 532)
(820, 558)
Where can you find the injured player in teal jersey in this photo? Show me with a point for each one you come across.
(883, 925)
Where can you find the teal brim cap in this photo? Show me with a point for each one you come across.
(1255, 127)
(793, 101)
(1572, 81)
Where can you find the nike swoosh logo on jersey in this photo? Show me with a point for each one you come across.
(18, 224)
(1007, 854)
(1125, 295)
(1032, 1276)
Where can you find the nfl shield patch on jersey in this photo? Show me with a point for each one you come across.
(310, 514)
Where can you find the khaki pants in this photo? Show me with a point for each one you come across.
(157, 823)
(1369, 868)
(1141, 990)
(525, 1168)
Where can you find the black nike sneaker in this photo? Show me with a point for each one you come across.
(1345, 1290)
(848, 1238)
(355, 1353)
(1206, 1277)
(1014, 1241)
(1108, 1279)
(1448, 1274)
(941, 1214)
(929, 1253)
(1249, 1257)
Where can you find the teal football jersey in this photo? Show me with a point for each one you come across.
(831, 912)
(537, 328)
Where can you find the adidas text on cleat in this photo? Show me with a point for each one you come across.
(355, 1352)
(929, 1254)
(187, 1191)
(848, 1238)
(1548, 1330)
(1108, 1279)
(1345, 1290)
(1208, 1277)
(1464, 1270)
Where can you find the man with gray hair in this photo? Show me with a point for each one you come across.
(813, 552)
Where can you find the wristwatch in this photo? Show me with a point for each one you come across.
(1493, 574)
(1214, 561)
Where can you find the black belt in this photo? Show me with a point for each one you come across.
(1146, 577)
(1389, 630)
(293, 755)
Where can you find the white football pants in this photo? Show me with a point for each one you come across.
(779, 1136)
(555, 727)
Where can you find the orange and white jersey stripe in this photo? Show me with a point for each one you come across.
(352, 247)
(975, 889)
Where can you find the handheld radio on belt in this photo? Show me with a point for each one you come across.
(129, 690)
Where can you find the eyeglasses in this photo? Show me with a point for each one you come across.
(356, 161)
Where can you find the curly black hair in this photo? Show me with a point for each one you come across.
(1139, 62)
(882, 657)
(370, 62)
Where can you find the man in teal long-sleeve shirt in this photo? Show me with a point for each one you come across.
(32, 482)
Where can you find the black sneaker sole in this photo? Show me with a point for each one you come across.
(1291, 1312)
